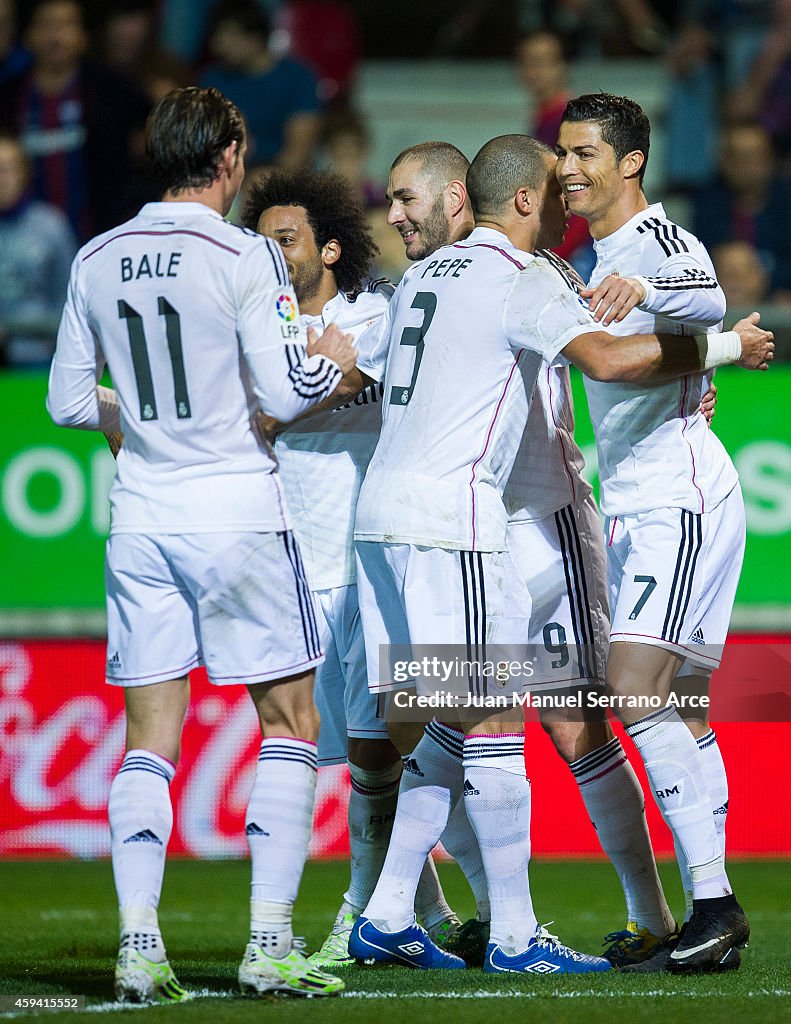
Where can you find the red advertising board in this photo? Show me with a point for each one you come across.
(62, 737)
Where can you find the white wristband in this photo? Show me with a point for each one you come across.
(719, 349)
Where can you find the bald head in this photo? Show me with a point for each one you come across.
(440, 162)
(503, 166)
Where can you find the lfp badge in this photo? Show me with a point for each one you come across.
(286, 309)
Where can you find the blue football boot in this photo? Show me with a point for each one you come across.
(545, 954)
(411, 947)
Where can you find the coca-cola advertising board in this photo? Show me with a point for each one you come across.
(62, 739)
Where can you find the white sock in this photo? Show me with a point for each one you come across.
(716, 781)
(615, 804)
(431, 907)
(278, 826)
(674, 766)
(717, 785)
(372, 805)
(497, 798)
(141, 820)
(431, 782)
(460, 841)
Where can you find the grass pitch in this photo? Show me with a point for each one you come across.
(59, 937)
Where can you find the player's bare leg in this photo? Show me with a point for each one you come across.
(674, 764)
(615, 803)
(141, 819)
(278, 825)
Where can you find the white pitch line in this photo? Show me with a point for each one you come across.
(519, 994)
(113, 1007)
(553, 994)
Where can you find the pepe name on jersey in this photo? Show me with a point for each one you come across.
(442, 268)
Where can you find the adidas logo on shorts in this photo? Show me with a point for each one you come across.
(697, 637)
(146, 836)
(115, 661)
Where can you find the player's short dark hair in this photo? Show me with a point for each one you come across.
(501, 167)
(441, 160)
(622, 122)
(186, 134)
(333, 211)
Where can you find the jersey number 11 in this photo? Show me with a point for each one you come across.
(142, 365)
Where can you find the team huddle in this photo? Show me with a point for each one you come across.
(318, 470)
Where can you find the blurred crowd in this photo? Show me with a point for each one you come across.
(77, 79)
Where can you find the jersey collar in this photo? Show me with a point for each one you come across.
(491, 236)
(625, 233)
(174, 211)
(346, 314)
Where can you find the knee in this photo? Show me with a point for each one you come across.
(297, 719)
(573, 740)
(372, 755)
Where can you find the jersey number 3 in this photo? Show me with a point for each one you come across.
(142, 365)
(415, 336)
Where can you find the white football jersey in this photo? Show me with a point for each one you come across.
(456, 397)
(655, 447)
(547, 473)
(323, 458)
(199, 326)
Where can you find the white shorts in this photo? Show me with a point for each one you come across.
(425, 597)
(673, 576)
(346, 706)
(562, 561)
(237, 603)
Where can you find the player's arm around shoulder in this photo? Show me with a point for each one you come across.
(652, 358)
(544, 313)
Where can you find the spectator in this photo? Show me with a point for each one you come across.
(543, 70)
(325, 36)
(14, 59)
(37, 246)
(277, 95)
(131, 49)
(346, 144)
(765, 95)
(741, 274)
(590, 28)
(714, 48)
(77, 120)
(748, 202)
